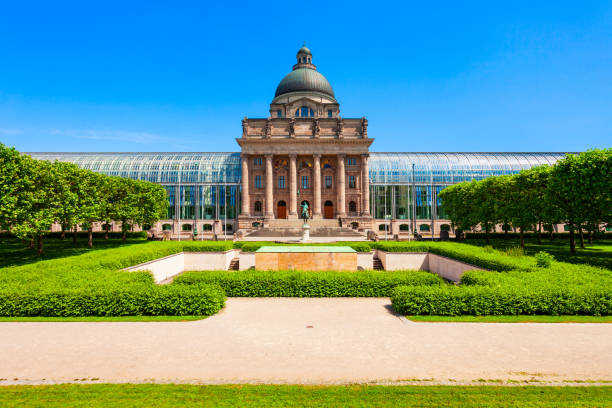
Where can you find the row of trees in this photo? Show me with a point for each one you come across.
(34, 194)
(576, 191)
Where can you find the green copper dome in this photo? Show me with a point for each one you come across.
(304, 79)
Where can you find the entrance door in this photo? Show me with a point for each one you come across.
(281, 210)
(328, 210)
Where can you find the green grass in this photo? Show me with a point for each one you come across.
(514, 319)
(102, 319)
(599, 253)
(163, 396)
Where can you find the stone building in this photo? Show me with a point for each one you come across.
(305, 153)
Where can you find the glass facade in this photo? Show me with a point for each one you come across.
(206, 186)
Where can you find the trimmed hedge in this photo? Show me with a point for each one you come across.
(201, 300)
(253, 246)
(309, 284)
(488, 300)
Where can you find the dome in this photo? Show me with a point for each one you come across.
(304, 50)
(304, 80)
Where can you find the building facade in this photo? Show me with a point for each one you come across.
(304, 152)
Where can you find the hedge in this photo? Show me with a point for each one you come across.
(487, 300)
(309, 284)
(201, 300)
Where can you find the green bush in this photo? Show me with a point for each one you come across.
(202, 300)
(488, 300)
(543, 259)
(309, 284)
(253, 246)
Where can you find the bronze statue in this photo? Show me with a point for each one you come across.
(305, 212)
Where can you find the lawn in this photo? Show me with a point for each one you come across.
(162, 396)
(513, 319)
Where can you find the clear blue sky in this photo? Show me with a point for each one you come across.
(180, 76)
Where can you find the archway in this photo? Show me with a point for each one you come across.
(328, 209)
(281, 210)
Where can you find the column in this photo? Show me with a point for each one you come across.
(246, 205)
(316, 175)
(269, 187)
(292, 186)
(365, 178)
(341, 187)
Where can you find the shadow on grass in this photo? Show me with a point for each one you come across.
(14, 252)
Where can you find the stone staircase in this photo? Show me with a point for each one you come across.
(297, 224)
(377, 264)
(234, 264)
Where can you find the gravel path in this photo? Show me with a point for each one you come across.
(311, 341)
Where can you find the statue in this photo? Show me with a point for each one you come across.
(364, 128)
(292, 127)
(317, 128)
(244, 127)
(305, 212)
(340, 128)
(268, 130)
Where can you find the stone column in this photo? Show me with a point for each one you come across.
(269, 187)
(292, 186)
(341, 187)
(316, 175)
(246, 205)
(365, 185)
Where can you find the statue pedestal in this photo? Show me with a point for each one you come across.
(305, 233)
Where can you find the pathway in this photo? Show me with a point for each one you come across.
(288, 340)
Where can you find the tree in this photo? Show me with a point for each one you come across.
(15, 178)
(38, 204)
(458, 203)
(90, 203)
(579, 189)
(70, 192)
(522, 202)
(485, 212)
(124, 205)
(152, 202)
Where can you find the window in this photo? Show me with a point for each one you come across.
(424, 227)
(404, 227)
(351, 161)
(166, 227)
(444, 227)
(304, 112)
(186, 227)
(257, 161)
(257, 181)
(353, 207)
(304, 182)
(328, 181)
(330, 113)
(257, 206)
(279, 113)
(352, 182)
(383, 227)
(207, 227)
(281, 181)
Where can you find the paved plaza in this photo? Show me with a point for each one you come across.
(311, 341)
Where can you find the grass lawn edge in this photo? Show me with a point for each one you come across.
(512, 319)
(76, 319)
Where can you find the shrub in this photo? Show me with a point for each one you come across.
(203, 300)
(487, 300)
(543, 259)
(308, 284)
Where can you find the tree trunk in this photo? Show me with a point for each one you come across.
(572, 240)
(522, 236)
(74, 235)
(90, 237)
(123, 234)
(106, 231)
(539, 232)
(63, 236)
(32, 243)
(40, 245)
(487, 233)
(590, 235)
(505, 229)
(581, 237)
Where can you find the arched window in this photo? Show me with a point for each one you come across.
(354, 225)
(352, 207)
(167, 227)
(258, 206)
(255, 225)
(424, 227)
(105, 227)
(404, 227)
(146, 227)
(229, 227)
(207, 227)
(383, 227)
(186, 227)
(304, 112)
(444, 227)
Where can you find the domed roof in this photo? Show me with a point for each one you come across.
(304, 50)
(304, 79)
